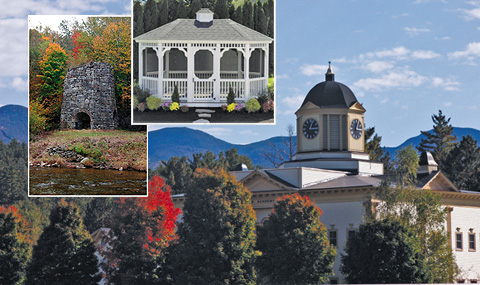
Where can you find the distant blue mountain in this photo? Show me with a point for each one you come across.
(168, 142)
(13, 123)
(415, 141)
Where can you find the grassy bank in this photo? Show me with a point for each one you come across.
(111, 149)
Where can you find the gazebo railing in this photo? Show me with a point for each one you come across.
(151, 74)
(169, 87)
(257, 86)
(203, 89)
(238, 87)
(175, 74)
(150, 84)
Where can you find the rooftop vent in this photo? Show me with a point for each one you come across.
(204, 15)
(427, 163)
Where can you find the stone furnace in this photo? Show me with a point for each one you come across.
(89, 98)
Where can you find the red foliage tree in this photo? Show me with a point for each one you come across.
(141, 230)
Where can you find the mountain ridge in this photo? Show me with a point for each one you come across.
(13, 123)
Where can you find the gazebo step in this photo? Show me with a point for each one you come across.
(204, 111)
(201, 115)
(201, 121)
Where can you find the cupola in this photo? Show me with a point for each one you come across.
(204, 15)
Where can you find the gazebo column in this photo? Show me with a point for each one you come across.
(239, 64)
(167, 64)
(247, 71)
(140, 62)
(190, 73)
(159, 51)
(265, 66)
(216, 72)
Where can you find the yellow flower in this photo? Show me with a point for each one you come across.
(231, 107)
(174, 107)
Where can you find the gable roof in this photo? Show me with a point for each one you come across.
(189, 30)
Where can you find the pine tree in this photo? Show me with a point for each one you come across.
(15, 250)
(406, 164)
(248, 14)
(441, 141)
(262, 25)
(65, 251)
(150, 15)
(182, 11)
(176, 95)
(162, 12)
(138, 29)
(216, 238)
(238, 15)
(195, 6)
(463, 166)
(221, 9)
(293, 244)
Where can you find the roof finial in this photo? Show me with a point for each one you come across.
(329, 76)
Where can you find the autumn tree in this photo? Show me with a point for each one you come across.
(293, 244)
(441, 141)
(141, 229)
(53, 68)
(65, 252)
(15, 250)
(406, 165)
(216, 239)
(383, 251)
(463, 166)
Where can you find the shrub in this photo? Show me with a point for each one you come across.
(231, 107)
(252, 105)
(267, 106)
(141, 94)
(231, 96)
(135, 102)
(153, 103)
(184, 108)
(175, 95)
(174, 106)
(224, 107)
(165, 106)
(141, 106)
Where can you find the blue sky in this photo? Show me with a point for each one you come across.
(404, 60)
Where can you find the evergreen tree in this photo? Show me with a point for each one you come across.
(195, 6)
(464, 164)
(177, 173)
(138, 29)
(13, 170)
(150, 15)
(383, 252)
(221, 9)
(182, 11)
(293, 244)
(65, 251)
(248, 14)
(262, 23)
(441, 141)
(216, 238)
(176, 95)
(162, 12)
(238, 15)
(15, 249)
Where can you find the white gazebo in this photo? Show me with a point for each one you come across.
(204, 58)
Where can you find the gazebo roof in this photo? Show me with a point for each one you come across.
(224, 30)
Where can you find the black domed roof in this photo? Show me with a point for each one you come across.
(331, 94)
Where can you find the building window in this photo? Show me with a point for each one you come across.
(459, 241)
(332, 236)
(471, 242)
(473, 281)
(350, 233)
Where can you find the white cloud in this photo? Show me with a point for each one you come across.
(397, 52)
(291, 104)
(447, 84)
(399, 78)
(217, 131)
(313, 69)
(447, 104)
(19, 84)
(415, 31)
(283, 76)
(248, 133)
(378, 66)
(472, 51)
(424, 54)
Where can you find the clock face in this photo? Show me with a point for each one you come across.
(310, 128)
(356, 129)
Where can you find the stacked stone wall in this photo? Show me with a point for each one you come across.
(89, 89)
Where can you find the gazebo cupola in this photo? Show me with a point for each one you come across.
(204, 58)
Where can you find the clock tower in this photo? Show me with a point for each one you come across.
(330, 130)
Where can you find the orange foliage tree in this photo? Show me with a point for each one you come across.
(15, 250)
(141, 230)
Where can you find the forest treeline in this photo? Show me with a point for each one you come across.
(151, 14)
(52, 53)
